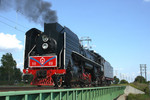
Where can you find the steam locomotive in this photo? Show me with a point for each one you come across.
(55, 57)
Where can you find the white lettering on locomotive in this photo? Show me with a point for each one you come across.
(50, 63)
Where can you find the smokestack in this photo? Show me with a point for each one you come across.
(37, 11)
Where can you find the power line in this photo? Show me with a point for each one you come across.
(12, 26)
(13, 22)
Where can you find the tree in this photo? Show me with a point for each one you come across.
(116, 80)
(140, 79)
(17, 75)
(9, 64)
(8, 70)
(123, 82)
(2, 74)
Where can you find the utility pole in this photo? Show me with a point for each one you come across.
(143, 70)
(88, 40)
(116, 73)
(120, 76)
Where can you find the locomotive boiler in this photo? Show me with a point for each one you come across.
(56, 57)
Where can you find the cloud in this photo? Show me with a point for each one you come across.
(9, 43)
(147, 0)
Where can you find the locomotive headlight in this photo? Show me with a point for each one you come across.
(44, 45)
(44, 38)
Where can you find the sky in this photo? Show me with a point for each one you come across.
(119, 29)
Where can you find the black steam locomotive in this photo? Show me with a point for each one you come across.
(56, 57)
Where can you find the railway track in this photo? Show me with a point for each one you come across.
(5, 89)
(16, 88)
(28, 88)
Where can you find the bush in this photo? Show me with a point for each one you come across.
(140, 79)
(123, 82)
(116, 80)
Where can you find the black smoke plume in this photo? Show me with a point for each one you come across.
(37, 11)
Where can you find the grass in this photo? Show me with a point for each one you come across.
(119, 84)
(138, 97)
(141, 86)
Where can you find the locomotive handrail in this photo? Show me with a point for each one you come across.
(31, 50)
(60, 57)
(86, 59)
(64, 49)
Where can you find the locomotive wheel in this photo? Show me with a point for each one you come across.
(59, 82)
(89, 85)
(81, 84)
(96, 82)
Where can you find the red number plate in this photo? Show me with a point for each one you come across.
(43, 61)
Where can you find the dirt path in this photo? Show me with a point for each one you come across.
(130, 89)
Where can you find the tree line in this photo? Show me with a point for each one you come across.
(9, 73)
(138, 79)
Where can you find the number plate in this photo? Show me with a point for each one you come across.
(42, 61)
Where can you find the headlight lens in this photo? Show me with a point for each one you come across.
(44, 38)
(44, 45)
